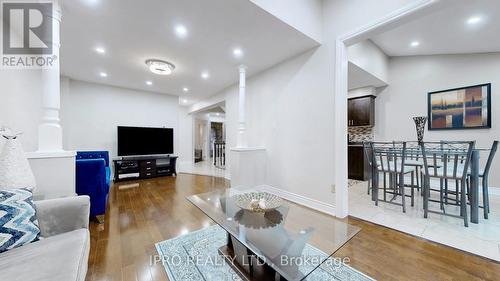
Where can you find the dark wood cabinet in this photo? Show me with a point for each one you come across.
(361, 111)
(358, 165)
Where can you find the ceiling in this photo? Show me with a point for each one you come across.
(359, 78)
(447, 31)
(131, 32)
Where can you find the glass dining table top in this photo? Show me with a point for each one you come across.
(292, 239)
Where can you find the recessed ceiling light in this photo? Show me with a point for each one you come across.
(474, 20)
(185, 90)
(149, 83)
(103, 74)
(415, 44)
(205, 75)
(181, 31)
(238, 52)
(217, 113)
(100, 50)
(160, 67)
(184, 100)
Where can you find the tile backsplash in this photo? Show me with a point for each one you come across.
(360, 134)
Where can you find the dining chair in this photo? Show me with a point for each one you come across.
(456, 146)
(484, 176)
(367, 148)
(446, 161)
(414, 159)
(389, 158)
(368, 155)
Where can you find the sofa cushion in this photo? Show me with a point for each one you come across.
(18, 223)
(60, 257)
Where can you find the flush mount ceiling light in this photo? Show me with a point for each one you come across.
(160, 67)
(185, 89)
(103, 74)
(205, 75)
(149, 83)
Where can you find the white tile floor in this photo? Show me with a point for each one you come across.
(481, 239)
(205, 168)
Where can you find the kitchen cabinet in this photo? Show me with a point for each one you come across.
(361, 111)
(358, 166)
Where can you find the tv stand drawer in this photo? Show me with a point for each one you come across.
(148, 174)
(148, 163)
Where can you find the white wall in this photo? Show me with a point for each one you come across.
(370, 58)
(406, 96)
(290, 107)
(303, 15)
(20, 104)
(92, 112)
(186, 137)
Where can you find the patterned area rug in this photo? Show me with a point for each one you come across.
(195, 256)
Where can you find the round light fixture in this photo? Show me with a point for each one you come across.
(149, 83)
(185, 89)
(415, 44)
(160, 67)
(205, 75)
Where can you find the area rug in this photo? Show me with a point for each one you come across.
(195, 256)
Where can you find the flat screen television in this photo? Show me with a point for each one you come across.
(134, 141)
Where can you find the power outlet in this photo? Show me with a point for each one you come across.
(334, 190)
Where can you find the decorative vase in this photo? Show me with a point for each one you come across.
(420, 125)
(15, 170)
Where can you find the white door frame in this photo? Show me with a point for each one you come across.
(341, 88)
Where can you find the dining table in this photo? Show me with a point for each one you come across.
(473, 174)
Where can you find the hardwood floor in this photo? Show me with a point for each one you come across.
(143, 213)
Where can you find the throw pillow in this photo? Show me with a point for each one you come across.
(18, 222)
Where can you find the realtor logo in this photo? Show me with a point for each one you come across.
(27, 34)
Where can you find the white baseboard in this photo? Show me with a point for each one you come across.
(299, 199)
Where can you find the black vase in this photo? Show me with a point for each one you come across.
(420, 126)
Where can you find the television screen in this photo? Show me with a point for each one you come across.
(145, 141)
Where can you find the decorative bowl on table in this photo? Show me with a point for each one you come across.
(258, 201)
(257, 220)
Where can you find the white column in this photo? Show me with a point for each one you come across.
(50, 131)
(242, 138)
(51, 159)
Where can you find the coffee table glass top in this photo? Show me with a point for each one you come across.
(280, 237)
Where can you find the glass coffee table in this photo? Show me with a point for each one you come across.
(287, 243)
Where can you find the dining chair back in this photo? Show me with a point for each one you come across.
(367, 150)
(485, 177)
(389, 158)
(446, 161)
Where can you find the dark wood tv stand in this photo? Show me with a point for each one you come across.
(144, 167)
